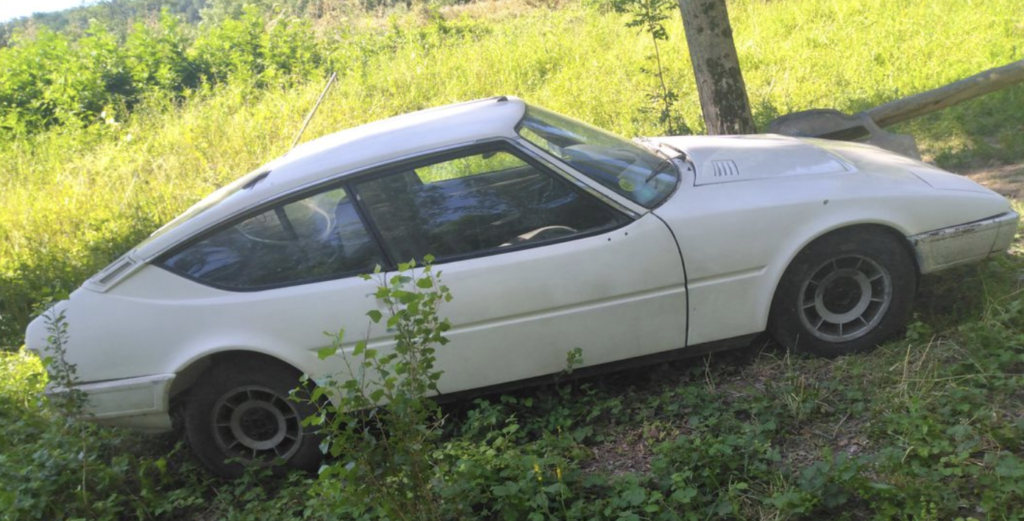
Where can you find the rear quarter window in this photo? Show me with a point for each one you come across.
(316, 238)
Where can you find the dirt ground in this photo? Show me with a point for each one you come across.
(1008, 180)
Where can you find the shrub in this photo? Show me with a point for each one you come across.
(380, 420)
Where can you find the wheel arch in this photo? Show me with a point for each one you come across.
(191, 372)
(865, 227)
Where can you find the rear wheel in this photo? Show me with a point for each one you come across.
(845, 293)
(240, 415)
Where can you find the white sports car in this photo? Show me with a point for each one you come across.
(552, 234)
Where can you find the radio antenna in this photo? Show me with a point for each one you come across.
(319, 100)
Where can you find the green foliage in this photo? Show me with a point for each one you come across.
(380, 423)
(48, 79)
(25, 83)
(249, 51)
(573, 359)
(69, 401)
(21, 385)
(650, 16)
(218, 11)
(158, 58)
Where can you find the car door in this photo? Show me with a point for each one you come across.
(536, 265)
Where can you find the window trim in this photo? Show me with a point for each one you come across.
(272, 205)
(346, 180)
(493, 146)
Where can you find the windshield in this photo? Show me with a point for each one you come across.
(224, 193)
(619, 164)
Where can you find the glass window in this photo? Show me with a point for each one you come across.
(477, 203)
(619, 164)
(226, 193)
(317, 238)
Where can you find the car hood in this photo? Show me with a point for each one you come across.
(729, 159)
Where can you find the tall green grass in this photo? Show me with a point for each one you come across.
(73, 198)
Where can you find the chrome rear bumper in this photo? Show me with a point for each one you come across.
(964, 243)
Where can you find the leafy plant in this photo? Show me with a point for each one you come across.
(573, 359)
(67, 397)
(649, 16)
(380, 420)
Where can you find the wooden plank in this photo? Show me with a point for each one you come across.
(926, 102)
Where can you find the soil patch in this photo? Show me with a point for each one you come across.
(1008, 180)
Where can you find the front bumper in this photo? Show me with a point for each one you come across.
(971, 242)
(138, 403)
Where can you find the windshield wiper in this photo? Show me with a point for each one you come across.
(682, 155)
(667, 160)
(662, 166)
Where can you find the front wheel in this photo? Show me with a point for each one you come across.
(240, 415)
(845, 293)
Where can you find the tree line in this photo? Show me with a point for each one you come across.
(73, 68)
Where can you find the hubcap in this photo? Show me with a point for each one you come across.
(845, 298)
(254, 424)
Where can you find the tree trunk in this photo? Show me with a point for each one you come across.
(723, 95)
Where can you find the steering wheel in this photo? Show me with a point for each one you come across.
(262, 229)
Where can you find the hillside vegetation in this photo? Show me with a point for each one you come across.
(108, 133)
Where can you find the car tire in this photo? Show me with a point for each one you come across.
(239, 415)
(844, 293)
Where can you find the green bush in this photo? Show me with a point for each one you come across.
(376, 418)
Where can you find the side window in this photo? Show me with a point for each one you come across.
(477, 203)
(317, 238)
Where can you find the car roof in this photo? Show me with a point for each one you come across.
(400, 136)
(355, 149)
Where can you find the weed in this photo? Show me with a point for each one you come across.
(649, 16)
(379, 420)
(69, 400)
